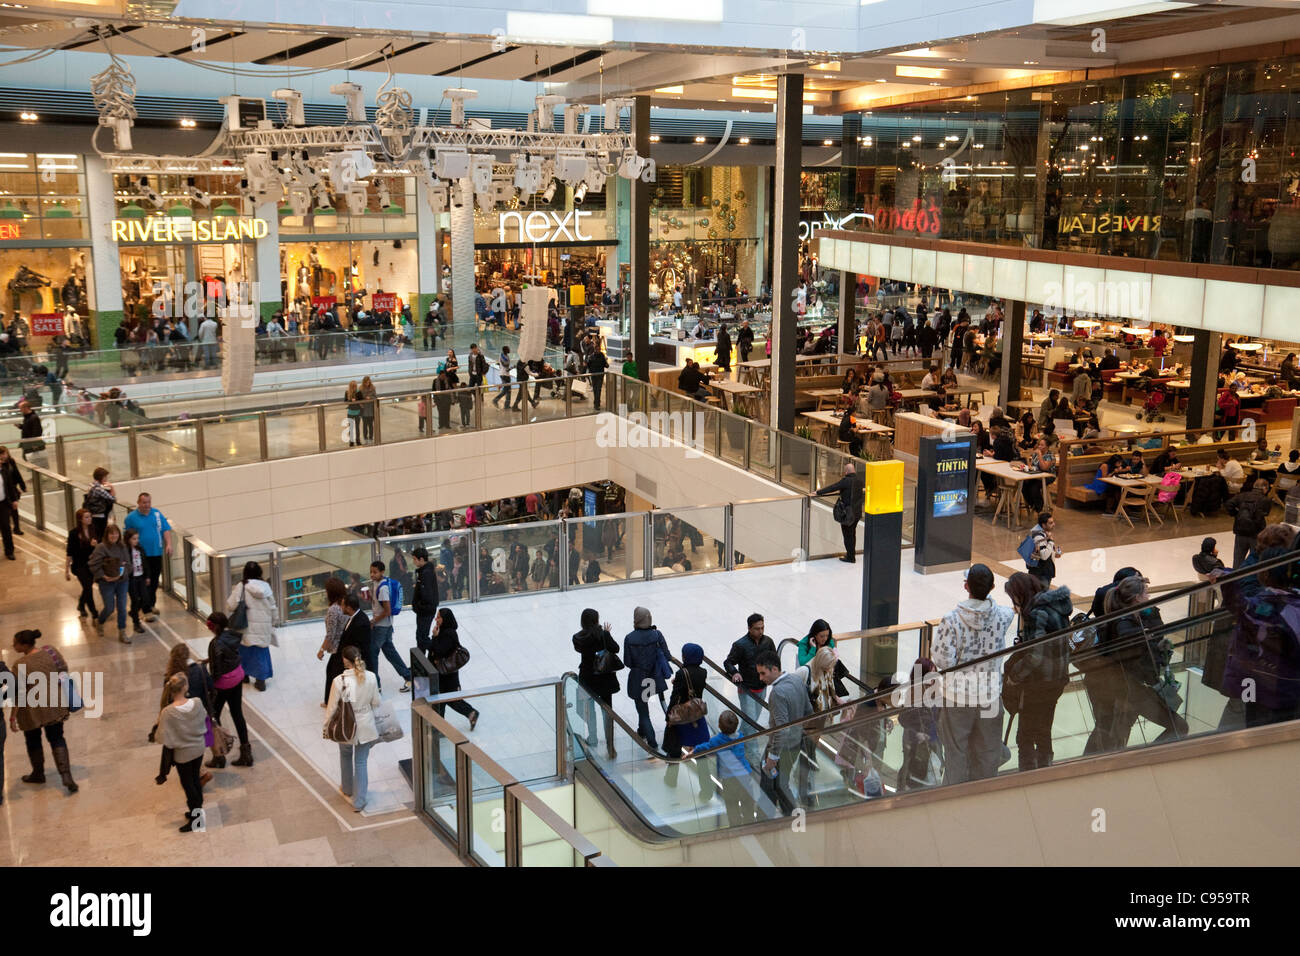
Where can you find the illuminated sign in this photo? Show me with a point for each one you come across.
(172, 229)
(918, 218)
(545, 226)
(10, 230)
(1089, 224)
(809, 226)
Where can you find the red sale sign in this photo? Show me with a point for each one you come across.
(46, 323)
(384, 302)
(319, 302)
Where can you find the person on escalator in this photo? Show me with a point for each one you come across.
(788, 703)
(588, 642)
(733, 770)
(740, 667)
(688, 686)
(645, 652)
(819, 636)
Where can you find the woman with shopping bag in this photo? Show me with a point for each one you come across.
(350, 723)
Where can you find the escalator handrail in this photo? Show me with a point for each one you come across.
(722, 672)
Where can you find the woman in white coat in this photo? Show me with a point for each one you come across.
(361, 690)
(259, 636)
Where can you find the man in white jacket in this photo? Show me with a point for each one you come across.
(970, 721)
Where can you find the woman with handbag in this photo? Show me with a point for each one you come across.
(687, 726)
(597, 668)
(336, 619)
(448, 657)
(227, 687)
(252, 600)
(1034, 678)
(198, 686)
(350, 723)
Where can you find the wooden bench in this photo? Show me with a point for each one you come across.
(1077, 470)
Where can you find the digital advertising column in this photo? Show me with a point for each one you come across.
(945, 491)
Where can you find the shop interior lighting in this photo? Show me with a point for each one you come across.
(187, 123)
(58, 211)
(1246, 346)
(28, 116)
(10, 211)
(1184, 338)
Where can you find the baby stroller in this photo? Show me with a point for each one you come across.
(1151, 407)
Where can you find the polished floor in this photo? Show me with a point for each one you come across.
(283, 811)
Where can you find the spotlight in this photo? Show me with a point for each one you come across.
(149, 193)
(451, 162)
(357, 199)
(294, 114)
(28, 116)
(580, 194)
(549, 192)
(347, 167)
(528, 175)
(480, 175)
(187, 123)
(198, 195)
(631, 166)
(352, 94)
(595, 178)
(571, 166)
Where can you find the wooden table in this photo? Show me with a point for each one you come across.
(915, 395)
(734, 393)
(1136, 491)
(1126, 381)
(1013, 479)
(1023, 405)
(864, 425)
(971, 390)
(824, 395)
(754, 372)
(1180, 391)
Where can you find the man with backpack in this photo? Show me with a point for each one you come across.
(385, 604)
(1249, 509)
(1040, 550)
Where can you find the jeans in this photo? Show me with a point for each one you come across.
(381, 639)
(597, 383)
(751, 705)
(738, 793)
(972, 743)
(352, 771)
(209, 350)
(423, 624)
(113, 594)
(587, 704)
(153, 571)
(643, 725)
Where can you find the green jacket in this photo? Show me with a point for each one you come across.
(806, 651)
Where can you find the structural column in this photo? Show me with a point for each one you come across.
(265, 292)
(462, 253)
(104, 270)
(427, 249)
(785, 246)
(639, 243)
(1013, 344)
(848, 331)
(1204, 393)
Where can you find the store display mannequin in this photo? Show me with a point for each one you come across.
(26, 280)
(313, 260)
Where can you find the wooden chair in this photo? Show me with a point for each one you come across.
(1138, 497)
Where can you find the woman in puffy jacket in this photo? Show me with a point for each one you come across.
(1035, 677)
(259, 635)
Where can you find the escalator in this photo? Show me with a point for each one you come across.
(1128, 783)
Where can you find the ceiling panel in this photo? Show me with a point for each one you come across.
(613, 60)
(350, 48)
(244, 48)
(521, 61)
(437, 57)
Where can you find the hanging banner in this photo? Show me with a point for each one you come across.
(532, 338)
(46, 323)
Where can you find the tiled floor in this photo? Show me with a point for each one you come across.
(281, 812)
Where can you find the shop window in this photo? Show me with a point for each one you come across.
(42, 196)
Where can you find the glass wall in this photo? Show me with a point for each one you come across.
(1192, 165)
(371, 274)
(705, 224)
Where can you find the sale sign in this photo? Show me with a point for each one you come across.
(47, 323)
(327, 302)
(384, 302)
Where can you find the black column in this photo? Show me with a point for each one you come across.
(1204, 393)
(785, 246)
(848, 330)
(639, 243)
(1013, 343)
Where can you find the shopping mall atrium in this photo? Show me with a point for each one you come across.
(709, 433)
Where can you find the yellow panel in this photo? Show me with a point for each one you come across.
(884, 487)
(577, 295)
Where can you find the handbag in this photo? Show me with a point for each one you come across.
(689, 710)
(386, 722)
(840, 511)
(238, 621)
(218, 739)
(452, 662)
(342, 725)
(605, 661)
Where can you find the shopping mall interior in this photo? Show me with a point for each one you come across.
(837, 434)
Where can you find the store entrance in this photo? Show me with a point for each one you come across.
(183, 282)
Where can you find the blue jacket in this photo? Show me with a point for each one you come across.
(731, 761)
(639, 654)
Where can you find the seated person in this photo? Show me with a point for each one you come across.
(1093, 428)
(1261, 452)
(691, 381)
(1028, 432)
(1042, 460)
(1109, 362)
(848, 432)
(1111, 466)
(1231, 471)
(878, 394)
(1136, 465)
(1274, 389)
(1288, 473)
(1165, 461)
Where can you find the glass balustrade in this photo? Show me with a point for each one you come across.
(687, 540)
(292, 432)
(169, 449)
(519, 557)
(609, 548)
(768, 532)
(235, 440)
(449, 552)
(304, 571)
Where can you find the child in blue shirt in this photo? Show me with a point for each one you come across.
(734, 771)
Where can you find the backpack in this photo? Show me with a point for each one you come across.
(394, 596)
(1028, 551)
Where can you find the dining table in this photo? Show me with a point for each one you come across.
(1012, 479)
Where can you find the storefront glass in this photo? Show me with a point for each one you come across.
(704, 224)
(1192, 165)
(350, 273)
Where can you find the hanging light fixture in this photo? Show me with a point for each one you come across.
(180, 211)
(225, 209)
(10, 211)
(132, 210)
(58, 211)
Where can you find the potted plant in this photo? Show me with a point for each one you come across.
(798, 456)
